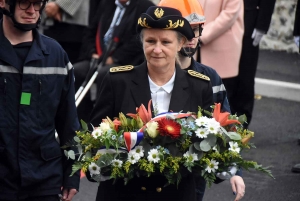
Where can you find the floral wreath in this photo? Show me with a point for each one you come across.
(170, 144)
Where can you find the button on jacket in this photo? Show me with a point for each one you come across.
(34, 102)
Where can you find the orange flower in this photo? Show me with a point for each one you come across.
(117, 123)
(169, 127)
(143, 113)
(222, 118)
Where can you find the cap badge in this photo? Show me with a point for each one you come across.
(159, 12)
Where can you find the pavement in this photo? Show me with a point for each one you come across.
(276, 124)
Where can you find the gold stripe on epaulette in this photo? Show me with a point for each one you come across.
(121, 69)
(198, 75)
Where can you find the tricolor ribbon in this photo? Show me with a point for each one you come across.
(132, 139)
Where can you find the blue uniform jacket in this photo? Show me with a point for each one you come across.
(219, 91)
(34, 103)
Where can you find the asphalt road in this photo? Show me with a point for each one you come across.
(276, 124)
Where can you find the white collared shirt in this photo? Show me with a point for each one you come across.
(161, 95)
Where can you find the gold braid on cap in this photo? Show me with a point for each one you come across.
(143, 23)
(175, 24)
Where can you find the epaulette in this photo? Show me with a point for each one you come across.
(121, 69)
(198, 75)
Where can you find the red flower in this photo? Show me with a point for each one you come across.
(222, 118)
(168, 127)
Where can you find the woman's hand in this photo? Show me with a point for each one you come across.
(238, 187)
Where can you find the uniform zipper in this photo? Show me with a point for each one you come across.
(40, 82)
(5, 82)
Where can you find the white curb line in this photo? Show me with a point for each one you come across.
(277, 89)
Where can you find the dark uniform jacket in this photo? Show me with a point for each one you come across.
(123, 92)
(128, 49)
(34, 102)
(257, 15)
(297, 20)
(219, 91)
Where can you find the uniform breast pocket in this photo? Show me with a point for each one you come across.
(48, 97)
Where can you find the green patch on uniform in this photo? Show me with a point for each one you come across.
(25, 98)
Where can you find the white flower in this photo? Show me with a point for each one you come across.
(94, 169)
(153, 156)
(202, 121)
(97, 133)
(133, 157)
(139, 150)
(212, 167)
(201, 132)
(105, 126)
(213, 126)
(190, 157)
(234, 147)
(117, 163)
(152, 129)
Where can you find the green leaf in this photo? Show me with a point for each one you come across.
(71, 154)
(193, 149)
(205, 146)
(212, 139)
(76, 139)
(79, 148)
(88, 155)
(197, 146)
(75, 168)
(66, 153)
(104, 160)
(234, 136)
(242, 119)
(83, 125)
(107, 144)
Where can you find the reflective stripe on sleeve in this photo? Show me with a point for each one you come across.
(219, 88)
(8, 69)
(69, 66)
(45, 70)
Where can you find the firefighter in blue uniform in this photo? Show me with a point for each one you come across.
(36, 98)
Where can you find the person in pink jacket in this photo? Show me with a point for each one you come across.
(221, 39)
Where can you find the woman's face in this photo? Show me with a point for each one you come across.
(161, 47)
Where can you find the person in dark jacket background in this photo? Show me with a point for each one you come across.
(257, 18)
(66, 22)
(36, 98)
(114, 21)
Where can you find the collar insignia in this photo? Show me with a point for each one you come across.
(198, 75)
(121, 69)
